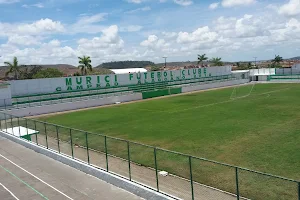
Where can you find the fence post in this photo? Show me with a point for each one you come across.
(46, 135)
(87, 147)
(19, 127)
(71, 138)
(36, 138)
(57, 136)
(156, 170)
(11, 124)
(26, 126)
(298, 190)
(237, 183)
(105, 143)
(129, 167)
(5, 122)
(191, 177)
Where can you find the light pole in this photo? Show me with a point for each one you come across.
(165, 61)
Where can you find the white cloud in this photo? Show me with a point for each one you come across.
(146, 8)
(8, 1)
(248, 26)
(131, 28)
(46, 53)
(37, 5)
(108, 42)
(40, 27)
(91, 19)
(201, 35)
(170, 35)
(23, 40)
(233, 3)
(292, 8)
(135, 1)
(184, 2)
(225, 36)
(153, 43)
(214, 6)
(88, 24)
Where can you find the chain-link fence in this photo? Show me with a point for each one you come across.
(177, 175)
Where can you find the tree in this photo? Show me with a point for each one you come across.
(29, 72)
(238, 64)
(85, 64)
(76, 74)
(216, 61)
(249, 65)
(277, 60)
(48, 73)
(13, 68)
(202, 58)
(155, 68)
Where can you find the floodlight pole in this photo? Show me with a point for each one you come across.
(165, 61)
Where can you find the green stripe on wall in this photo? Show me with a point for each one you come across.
(159, 93)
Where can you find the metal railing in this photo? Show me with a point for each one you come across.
(189, 177)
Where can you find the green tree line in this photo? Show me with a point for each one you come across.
(126, 64)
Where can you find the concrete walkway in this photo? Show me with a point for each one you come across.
(175, 186)
(27, 175)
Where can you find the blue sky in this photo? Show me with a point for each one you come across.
(57, 31)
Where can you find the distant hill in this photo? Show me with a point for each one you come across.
(67, 70)
(294, 58)
(178, 64)
(186, 63)
(125, 64)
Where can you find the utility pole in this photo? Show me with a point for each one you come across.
(165, 61)
(255, 60)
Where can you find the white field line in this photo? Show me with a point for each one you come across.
(36, 177)
(12, 194)
(227, 101)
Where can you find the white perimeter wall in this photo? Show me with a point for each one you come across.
(5, 95)
(38, 110)
(50, 85)
(45, 109)
(214, 85)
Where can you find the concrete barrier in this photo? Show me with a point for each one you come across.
(88, 169)
(45, 109)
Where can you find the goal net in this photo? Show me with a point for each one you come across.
(242, 91)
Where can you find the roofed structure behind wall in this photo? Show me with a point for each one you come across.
(129, 70)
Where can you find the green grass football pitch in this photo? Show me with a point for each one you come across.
(253, 126)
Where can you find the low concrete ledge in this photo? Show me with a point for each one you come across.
(88, 169)
(66, 106)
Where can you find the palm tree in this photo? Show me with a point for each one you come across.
(216, 61)
(238, 64)
(277, 60)
(85, 64)
(13, 68)
(202, 58)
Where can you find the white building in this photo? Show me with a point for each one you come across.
(129, 70)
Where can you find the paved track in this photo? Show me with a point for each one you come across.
(27, 175)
